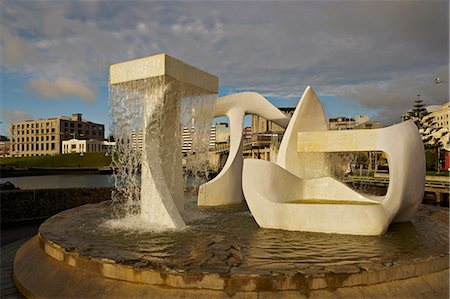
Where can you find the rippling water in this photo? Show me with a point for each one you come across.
(228, 238)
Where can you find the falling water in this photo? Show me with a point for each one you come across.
(152, 112)
(196, 115)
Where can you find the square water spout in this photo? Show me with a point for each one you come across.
(163, 65)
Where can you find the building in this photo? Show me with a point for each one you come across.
(341, 123)
(5, 146)
(262, 125)
(435, 125)
(369, 124)
(78, 146)
(219, 134)
(360, 122)
(137, 140)
(44, 136)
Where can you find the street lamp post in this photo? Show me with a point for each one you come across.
(81, 155)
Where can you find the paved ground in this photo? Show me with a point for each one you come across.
(8, 289)
(12, 237)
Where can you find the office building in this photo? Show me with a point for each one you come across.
(38, 137)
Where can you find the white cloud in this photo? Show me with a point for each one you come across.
(62, 88)
(15, 116)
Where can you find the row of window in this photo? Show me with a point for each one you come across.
(79, 125)
(34, 147)
(43, 131)
(80, 132)
(32, 125)
(32, 138)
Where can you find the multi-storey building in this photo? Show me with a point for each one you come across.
(262, 125)
(44, 136)
(360, 122)
(436, 125)
(219, 133)
(341, 123)
(137, 140)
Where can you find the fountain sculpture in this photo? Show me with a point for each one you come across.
(222, 251)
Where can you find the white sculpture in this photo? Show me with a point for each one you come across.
(226, 187)
(285, 196)
(297, 192)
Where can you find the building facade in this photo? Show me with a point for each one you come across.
(262, 125)
(77, 146)
(341, 123)
(44, 136)
(360, 122)
(436, 125)
(5, 146)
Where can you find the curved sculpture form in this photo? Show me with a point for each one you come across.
(280, 197)
(226, 187)
(307, 117)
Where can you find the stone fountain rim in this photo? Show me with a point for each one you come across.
(241, 281)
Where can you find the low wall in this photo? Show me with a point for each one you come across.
(26, 205)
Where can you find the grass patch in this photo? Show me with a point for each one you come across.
(67, 160)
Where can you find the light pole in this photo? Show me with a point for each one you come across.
(53, 156)
(81, 155)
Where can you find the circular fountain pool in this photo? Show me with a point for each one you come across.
(223, 249)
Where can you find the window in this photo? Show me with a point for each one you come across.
(46, 138)
(28, 139)
(72, 125)
(53, 137)
(53, 130)
(23, 147)
(46, 146)
(32, 131)
(32, 147)
(28, 125)
(73, 146)
(53, 146)
(27, 147)
(42, 131)
(79, 125)
(87, 132)
(32, 125)
(28, 132)
(13, 147)
(66, 124)
(13, 127)
(47, 131)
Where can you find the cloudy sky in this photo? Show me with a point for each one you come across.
(360, 57)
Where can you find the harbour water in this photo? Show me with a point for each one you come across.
(60, 181)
